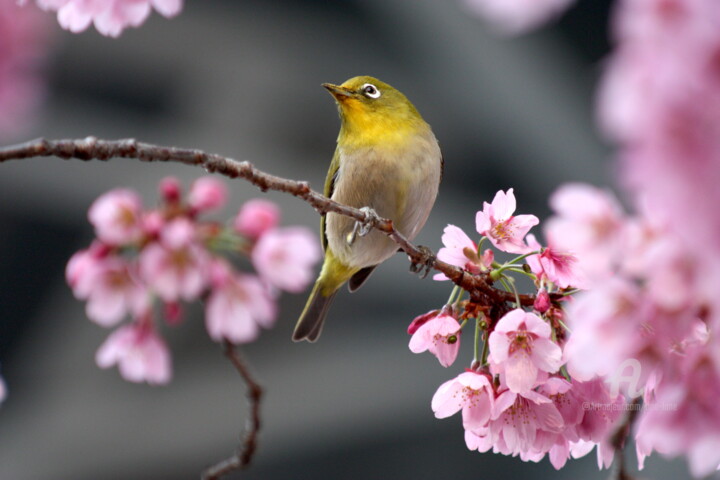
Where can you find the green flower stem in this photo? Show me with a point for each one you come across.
(519, 270)
(485, 351)
(562, 324)
(454, 292)
(570, 292)
(509, 284)
(477, 340)
(523, 256)
(480, 243)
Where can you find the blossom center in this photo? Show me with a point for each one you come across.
(503, 230)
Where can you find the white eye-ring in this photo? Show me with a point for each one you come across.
(370, 90)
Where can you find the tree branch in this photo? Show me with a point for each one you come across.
(618, 438)
(244, 454)
(479, 286)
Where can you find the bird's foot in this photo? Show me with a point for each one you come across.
(362, 228)
(425, 265)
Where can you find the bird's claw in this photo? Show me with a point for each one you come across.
(362, 228)
(425, 265)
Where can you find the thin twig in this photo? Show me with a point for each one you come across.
(619, 437)
(479, 286)
(244, 454)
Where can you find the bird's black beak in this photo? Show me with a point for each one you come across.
(340, 93)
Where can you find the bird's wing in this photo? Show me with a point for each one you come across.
(328, 191)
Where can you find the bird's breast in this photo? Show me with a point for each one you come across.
(399, 182)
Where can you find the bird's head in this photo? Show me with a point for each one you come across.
(372, 111)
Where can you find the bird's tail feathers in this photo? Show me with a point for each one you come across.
(310, 324)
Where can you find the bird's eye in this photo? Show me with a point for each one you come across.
(370, 90)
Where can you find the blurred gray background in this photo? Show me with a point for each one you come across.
(242, 78)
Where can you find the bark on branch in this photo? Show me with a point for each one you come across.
(242, 457)
(479, 286)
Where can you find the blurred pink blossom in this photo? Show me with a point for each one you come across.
(3, 390)
(114, 293)
(170, 190)
(238, 306)
(139, 352)
(520, 348)
(256, 217)
(604, 328)
(176, 267)
(518, 16)
(81, 269)
(660, 99)
(588, 225)
(207, 193)
(117, 217)
(285, 257)
(23, 42)
(110, 17)
(441, 336)
(505, 230)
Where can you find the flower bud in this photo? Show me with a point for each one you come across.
(542, 301)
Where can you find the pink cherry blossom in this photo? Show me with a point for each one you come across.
(561, 393)
(176, 267)
(441, 336)
(683, 414)
(170, 190)
(588, 225)
(238, 306)
(115, 292)
(470, 392)
(520, 347)
(555, 266)
(660, 99)
(421, 320)
(256, 217)
(3, 390)
(505, 231)
(153, 223)
(518, 16)
(604, 328)
(80, 272)
(461, 251)
(284, 257)
(207, 193)
(523, 424)
(23, 42)
(542, 301)
(139, 352)
(117, 217)
(110, 17)
(108, 284)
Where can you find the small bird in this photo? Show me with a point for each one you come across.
(388, 163)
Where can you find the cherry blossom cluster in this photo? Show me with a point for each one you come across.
(645, 323)
(144, 263)
(660, 101)
(518, 397)
(23, 43)
(110, 17)
(648, 317)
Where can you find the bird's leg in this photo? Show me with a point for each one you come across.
(424, 266)
(363, 228)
